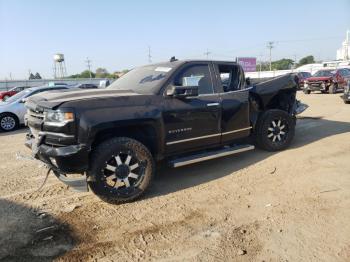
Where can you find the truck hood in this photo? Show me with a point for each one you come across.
(318, 78)
(51, 100)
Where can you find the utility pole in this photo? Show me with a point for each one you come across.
(149, 55)
(88, 63)
(207, 53)
(260, 63)
(270, 46)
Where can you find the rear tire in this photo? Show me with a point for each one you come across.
(307, 92)
(8, 122)
(121, 170)
(274, 130)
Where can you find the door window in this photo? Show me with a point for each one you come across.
(230, 77)
(196, 75)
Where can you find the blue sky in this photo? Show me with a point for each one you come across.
(116, 34)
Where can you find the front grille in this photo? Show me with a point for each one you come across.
(35, 114)
(34, 119)
(316, 83)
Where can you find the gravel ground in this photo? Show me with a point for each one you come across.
(256, 206)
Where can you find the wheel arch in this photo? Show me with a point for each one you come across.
(282, 100)
(145, 133)
(11, 114)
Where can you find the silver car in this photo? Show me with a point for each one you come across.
(12, 111)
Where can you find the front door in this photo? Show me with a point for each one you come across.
(234, 96)
(193, 123)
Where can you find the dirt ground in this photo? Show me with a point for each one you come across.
(256, 206)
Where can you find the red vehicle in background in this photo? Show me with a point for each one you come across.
(302, 76)
(6, 94)
(327, 81)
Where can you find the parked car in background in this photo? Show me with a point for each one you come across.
(12, 110)
(57, 84)
(302, 76)
(104, 83)
(7, 94)
(327, 81)
(86, 86)
(346, 95)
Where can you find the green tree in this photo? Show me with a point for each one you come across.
(282, 64)
(101, 72)
(306, 60)
(86, 74)
(31, 76)
(37, 76)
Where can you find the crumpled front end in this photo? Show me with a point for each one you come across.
(57, 148)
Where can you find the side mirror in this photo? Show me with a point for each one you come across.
(23, 100)
(182, 91)
(247, 81)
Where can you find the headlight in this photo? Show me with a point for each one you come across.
(57, 117)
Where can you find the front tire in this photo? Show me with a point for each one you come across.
(121, 170)
(307, 92)
(8, 122)
(274, 130)
(333, 89)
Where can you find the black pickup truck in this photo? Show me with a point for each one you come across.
(181, 112)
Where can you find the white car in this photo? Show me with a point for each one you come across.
(12, 111)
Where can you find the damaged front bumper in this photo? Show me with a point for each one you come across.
(61, 160)
(316, 86)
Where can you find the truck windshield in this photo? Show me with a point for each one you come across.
(143, 79)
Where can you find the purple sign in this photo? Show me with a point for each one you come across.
(248, 63)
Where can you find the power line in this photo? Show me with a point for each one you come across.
(88, 63)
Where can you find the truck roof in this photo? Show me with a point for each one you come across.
(180, 62)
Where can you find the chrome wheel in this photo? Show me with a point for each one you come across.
(8, 123)
(122, 171)
(277, 131)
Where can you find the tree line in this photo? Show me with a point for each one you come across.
(100, 73)
(286, 63)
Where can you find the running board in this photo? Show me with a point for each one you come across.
(183, 161)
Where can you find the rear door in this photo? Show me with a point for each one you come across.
(234, 96)
(193, 123)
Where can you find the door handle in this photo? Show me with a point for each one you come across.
(213, 104)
